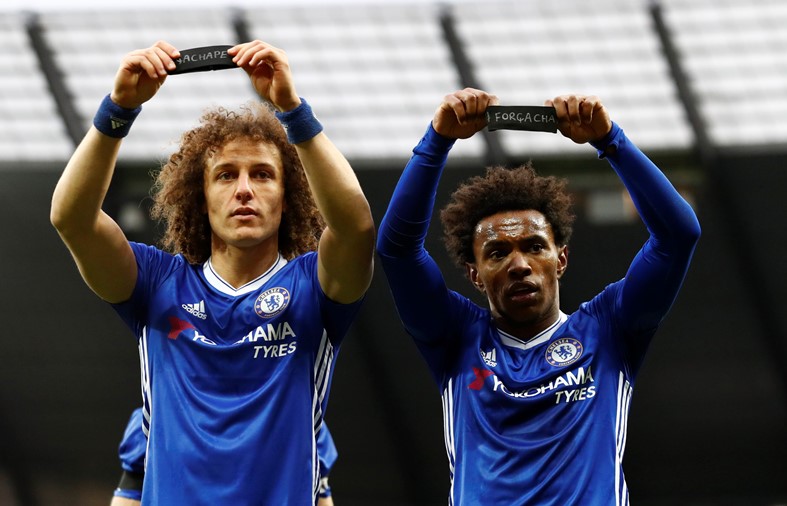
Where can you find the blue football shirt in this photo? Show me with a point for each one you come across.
(133, 448)
(235, 381)
(541, 421)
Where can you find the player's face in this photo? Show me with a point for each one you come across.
(244, 194)
(518, 267)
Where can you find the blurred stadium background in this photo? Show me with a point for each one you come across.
(700, 85)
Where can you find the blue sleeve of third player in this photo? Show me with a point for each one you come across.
(657, 272)
(419, 291)
(133, 446)
(326, 451)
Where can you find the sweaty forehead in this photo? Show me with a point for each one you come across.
(512, 224)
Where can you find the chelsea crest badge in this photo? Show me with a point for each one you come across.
(272, 302)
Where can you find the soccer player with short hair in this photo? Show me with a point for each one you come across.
(535, 401)
(239, 322)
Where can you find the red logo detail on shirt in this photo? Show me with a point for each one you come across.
(177, 326)
(480, 376)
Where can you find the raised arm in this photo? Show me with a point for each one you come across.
(658, 270)
(403, 229)
(98, 245)
(346, 250)
(416, 282)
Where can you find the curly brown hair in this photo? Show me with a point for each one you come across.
(502, 189)
(179, 198)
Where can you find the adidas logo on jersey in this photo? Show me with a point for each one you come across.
(490, 357)
(197, 309)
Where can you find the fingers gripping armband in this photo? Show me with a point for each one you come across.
(300, 123)
(113, 120)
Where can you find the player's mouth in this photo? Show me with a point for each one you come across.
(522, 291)
(243, 212)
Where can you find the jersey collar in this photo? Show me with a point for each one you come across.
(541, 337)
(219, 284)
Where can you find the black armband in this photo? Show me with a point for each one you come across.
(203, 59)
(521, 117)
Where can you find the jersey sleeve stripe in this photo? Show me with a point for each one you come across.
(144, 374)
(448, 432)
(621, 429)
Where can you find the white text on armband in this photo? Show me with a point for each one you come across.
(524, 118)
(198, 57)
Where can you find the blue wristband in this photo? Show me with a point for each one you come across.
(300, 123)
(113, 120)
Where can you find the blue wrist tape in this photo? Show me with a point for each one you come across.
(113, 120)
(300, 123)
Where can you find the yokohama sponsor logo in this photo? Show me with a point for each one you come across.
(569, 379)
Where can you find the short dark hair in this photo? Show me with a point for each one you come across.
(503, 189)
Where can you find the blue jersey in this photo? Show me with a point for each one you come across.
(326, 451)
(132, 451)
(234, 381)
(541, 421)
(133, 447)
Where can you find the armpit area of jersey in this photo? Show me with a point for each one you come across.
(532, 118)
(203, 59)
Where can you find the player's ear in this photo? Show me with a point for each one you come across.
(472, 275)
(562, 260)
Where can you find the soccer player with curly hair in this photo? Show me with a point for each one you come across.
(535, 401)
(268, 252)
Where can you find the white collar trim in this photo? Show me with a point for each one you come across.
(543, 336)
(216, 281)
